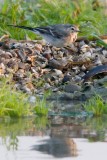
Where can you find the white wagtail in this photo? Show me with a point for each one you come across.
(59, 35)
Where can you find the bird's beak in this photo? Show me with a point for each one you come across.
(77, 30)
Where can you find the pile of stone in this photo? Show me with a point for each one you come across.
(37, 67)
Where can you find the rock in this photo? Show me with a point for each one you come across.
(47, 86)
(66, 79)
(82, 43)
(38, 47)
(87, 55)
(26, 90)
(2, 69)
(21, 65)
(58, 73)
(101, 82)
(88, 87)
(48, 56)
(97, 60)
(71, 88)
(104, 53)
(83, 68)
(85, 48)
(76, 69)
(60, 53)
(64, 97)
(21, 55)
(77, 79)
(32, 99)
(57, 64)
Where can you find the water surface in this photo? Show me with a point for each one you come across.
(36, 138)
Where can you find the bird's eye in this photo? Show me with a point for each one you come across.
(72, 28)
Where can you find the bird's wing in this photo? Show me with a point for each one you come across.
(58, 31)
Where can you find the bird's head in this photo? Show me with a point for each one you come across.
(74, 29)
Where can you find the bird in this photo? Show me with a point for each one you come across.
(58, 35)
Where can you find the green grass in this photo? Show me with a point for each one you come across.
(41, 108)
(15, 104)
(96, 105)
(12, 103)
(46, 12)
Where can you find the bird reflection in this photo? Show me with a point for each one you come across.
(58, 147)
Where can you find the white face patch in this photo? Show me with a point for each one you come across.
(73, 37)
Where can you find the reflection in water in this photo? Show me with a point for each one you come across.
(58, 147)
(96, 129)
(61, 141)
(12, 142)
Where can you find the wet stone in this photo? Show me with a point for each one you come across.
(71, 88)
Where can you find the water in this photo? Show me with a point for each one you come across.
(36, 138)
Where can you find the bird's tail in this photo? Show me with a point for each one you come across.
(23, 27)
